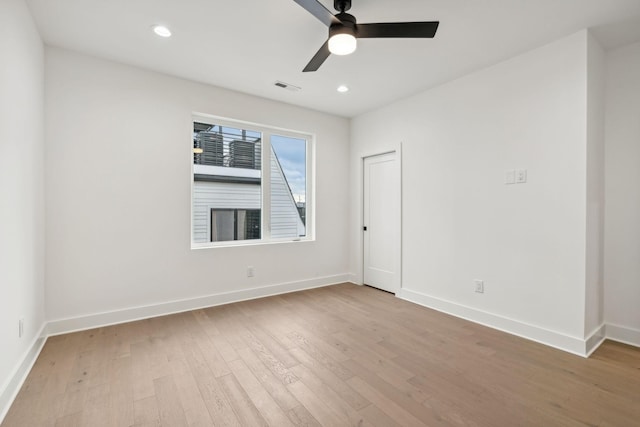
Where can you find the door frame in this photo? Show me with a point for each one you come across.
(397, 150)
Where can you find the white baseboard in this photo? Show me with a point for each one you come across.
(96, 320)
(594, 339)
(623, 334)
(10, 390)
(548, 337)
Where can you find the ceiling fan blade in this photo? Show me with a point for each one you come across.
(319, 11)
(317, 60)
(398, 29)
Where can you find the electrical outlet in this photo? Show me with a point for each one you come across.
(251, 271)
(20, 328)
(479, 286)
(521, 176)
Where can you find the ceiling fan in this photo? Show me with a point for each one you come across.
(344, 30)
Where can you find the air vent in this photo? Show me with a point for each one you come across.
(287, 86)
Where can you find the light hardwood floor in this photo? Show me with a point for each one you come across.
(337, 356)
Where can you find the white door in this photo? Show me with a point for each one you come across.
(381, 226)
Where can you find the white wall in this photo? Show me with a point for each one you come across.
(21, 190)
(594, 286)
(461, 222)
(118, 192)
(622, 212)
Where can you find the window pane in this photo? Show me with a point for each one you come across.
(288, 187)
(252, 224)
(222, 225)
(227, 183)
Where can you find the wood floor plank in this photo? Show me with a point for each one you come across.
(275, 365)
(213, 396)
(96, 409)
(377, 418)
(121, 390)
(392, 394)
(279, 351)
(71, 420)
(340, 387)
(321, 350)
(386, 405)
(339, 355)
(142, 380)
(301, 417)
(316, 406)
(244, 408)
(169, 408)
(261, 398)
(146, 413)
(102, 356)
(193, 404)
(329, 397)
(278, 325)
(270, 382)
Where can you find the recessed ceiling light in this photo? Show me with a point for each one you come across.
(161, 30)
(343, 89)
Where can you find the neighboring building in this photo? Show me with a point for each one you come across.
(227, 189)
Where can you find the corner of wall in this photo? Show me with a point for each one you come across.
(13, 384)
(594, 255)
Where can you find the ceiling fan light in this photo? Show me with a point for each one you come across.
(342, 44)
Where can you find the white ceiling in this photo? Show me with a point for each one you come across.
(247, 45)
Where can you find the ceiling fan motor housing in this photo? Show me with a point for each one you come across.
(347, 25)
(342, 5)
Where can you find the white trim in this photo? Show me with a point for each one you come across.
(623, 334)
(541, 335)
(227, 171)
(21, 371)
(353, 278)
(595, 339)
(96, 320)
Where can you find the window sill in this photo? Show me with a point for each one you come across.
(245, 243)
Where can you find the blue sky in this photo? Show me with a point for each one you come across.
(292, 154)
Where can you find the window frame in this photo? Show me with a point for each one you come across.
(267, 132)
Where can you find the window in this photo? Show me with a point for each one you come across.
(250, 183)
(288, 186)
(234, 224)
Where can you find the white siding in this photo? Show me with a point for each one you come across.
(219, 195)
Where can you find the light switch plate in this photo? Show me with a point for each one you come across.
(510, 176)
